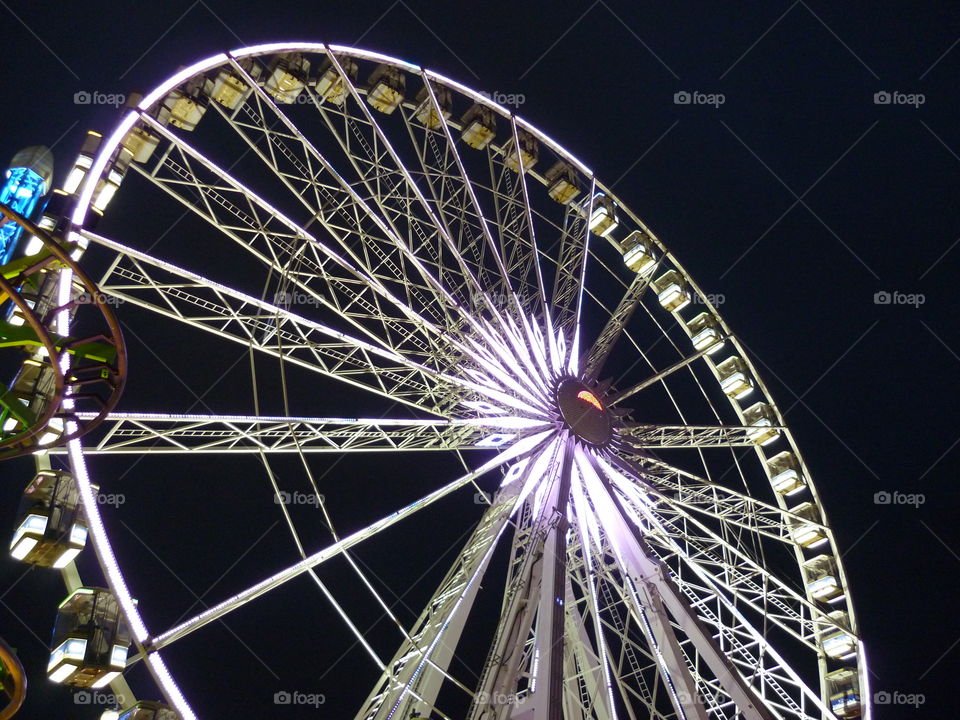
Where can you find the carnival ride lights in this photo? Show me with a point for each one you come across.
(46, 289)
(27, 181)
(589, 397)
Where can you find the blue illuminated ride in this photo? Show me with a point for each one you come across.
(26, 183)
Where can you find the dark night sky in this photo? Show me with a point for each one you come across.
(797, 199)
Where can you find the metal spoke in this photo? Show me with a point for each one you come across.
(412, 680)
(685, 490)
(286, 248)
(658, 377)
(401, 200)
(190, 298)
(745, 578)
(515, 451)
(338, 206)
(657, 594)
(689, 436)
(616, 324)
(744, 584)
(502, 279)
(138, 433)
(570, 279)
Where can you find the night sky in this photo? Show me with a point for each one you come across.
(798, 199)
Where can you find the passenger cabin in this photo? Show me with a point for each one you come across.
(705, 333)
(734, 377)
(387, 86)
(140, 143)
(110, 180)
(287, 77)
(805, 528)
(672, 291)
(90, 640)
(83, 162)
(785, 474)
(30, 378)
(836, 640)
(231, 89)
(603, 215)
(33, 387)
(50, 529)
(562, 183)
(763, 420)
(331, 87)
(528, 155)
(638, 254)
(426, 111)
(822, 579)
(843, 689)
(187, 104)
(53, 220)
(479, 126)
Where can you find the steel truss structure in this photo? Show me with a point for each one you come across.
(414, 241)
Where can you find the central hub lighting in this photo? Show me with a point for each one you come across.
(583, 412)
(589, 397)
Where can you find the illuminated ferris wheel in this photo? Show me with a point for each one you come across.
(660, 543)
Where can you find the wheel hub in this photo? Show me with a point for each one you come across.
(584, 412)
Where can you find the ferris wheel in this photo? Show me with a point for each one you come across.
(660, 543)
